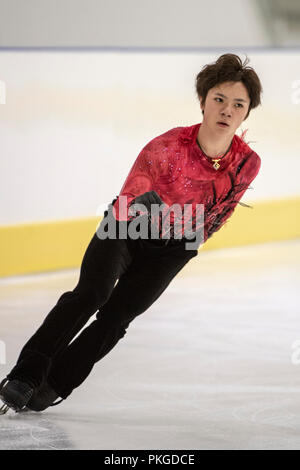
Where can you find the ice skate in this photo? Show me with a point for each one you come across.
(42, 398)
(15, 395)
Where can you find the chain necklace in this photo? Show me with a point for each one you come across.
(216, 164)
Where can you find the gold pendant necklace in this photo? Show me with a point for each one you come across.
(216, 163)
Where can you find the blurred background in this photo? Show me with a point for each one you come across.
(87, 84)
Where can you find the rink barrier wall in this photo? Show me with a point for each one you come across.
(53, 245)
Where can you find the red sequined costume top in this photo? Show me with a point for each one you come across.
(174, 166)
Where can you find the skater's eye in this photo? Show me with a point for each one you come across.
(240, 104)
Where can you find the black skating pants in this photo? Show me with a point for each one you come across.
(119, 279)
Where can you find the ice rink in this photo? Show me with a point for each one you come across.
(213, 364)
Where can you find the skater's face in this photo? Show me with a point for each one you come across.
(227, 102)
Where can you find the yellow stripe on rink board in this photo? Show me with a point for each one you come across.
(268, 221)
(44, 246)
(47, 246)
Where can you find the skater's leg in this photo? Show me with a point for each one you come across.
(103, 263)
(135, 292)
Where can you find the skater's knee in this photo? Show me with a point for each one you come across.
(112, 323)
(92, 296)
(121, 316)
(97, 297)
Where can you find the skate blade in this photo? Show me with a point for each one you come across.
(7, 406)
(23, 410)
(4, 409)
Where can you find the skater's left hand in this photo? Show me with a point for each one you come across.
(147, 199)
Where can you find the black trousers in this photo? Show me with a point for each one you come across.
(119, 279)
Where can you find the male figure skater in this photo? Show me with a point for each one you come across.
(120, 278)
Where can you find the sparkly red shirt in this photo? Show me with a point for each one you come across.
(174, 166)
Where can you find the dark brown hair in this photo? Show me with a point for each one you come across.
(229, 68)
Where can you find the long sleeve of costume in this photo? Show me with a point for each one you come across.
(140, 179)
(245, 174)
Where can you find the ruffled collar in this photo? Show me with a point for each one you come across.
(188, 136)
(189, 133)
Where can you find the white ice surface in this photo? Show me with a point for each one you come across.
(210, 365)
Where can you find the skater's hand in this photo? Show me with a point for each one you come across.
(155, 218)
(147, 199)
